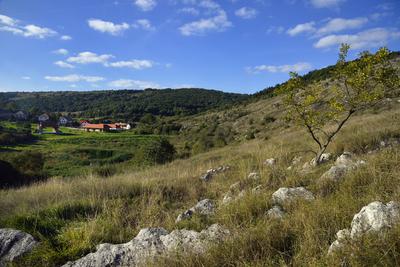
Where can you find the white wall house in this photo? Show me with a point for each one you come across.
(44, 117)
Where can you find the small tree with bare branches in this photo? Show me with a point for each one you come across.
(356, 85)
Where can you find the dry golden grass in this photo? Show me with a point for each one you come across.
(114, 209)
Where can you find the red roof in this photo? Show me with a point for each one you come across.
(96, 126)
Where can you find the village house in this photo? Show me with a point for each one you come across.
(65, 121)
(21, 115)
(101, 127)
(44, 117)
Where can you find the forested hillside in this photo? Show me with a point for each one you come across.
(121, 103)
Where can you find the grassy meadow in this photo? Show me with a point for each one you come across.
(71, 216)
(76, 152)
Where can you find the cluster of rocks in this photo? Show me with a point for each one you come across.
(325, 157)
(343, 164)
(238, 189)
(285, 196)
(375, 217)
(203, 207)
(209, 173)
(14, 244)
(388, 143)
(149, 244)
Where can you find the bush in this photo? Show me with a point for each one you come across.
(29, 163)
(104, 171)
(158, 151)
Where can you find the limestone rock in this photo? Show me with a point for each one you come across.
(270, 162)
(275, 212)
(343, 164)
(254, 176)
(13, 244)
(203, 207)
(284, 195)
(209, 174)
(150, 243)
(375, 217)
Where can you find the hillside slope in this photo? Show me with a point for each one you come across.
(128, 104)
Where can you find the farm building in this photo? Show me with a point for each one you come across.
(44, 117)
(21, 115)
(65, 120)
(88, 127)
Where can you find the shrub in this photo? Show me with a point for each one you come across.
(156, 151)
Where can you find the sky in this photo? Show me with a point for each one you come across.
(240, 46)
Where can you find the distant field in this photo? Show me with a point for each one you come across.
(76, 152)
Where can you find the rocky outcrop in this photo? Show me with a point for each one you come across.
(375, 217)
(13, 244)
(275, 212)
(284, 195)
(343, 164)
(254, 176)
(209, 174)
(270, 162)
(150, 243)
(203, 207)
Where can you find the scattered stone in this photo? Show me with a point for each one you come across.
(254, 176)
(203, 207)
(270, 162)
(276, 212)
(284, 195)
(296, 160)
(150, 243)
(13, 244)
(375, 217)
(325, 157)
(257, 189)
(343, 164)
(209, 174)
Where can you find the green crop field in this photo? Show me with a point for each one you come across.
(75, 152)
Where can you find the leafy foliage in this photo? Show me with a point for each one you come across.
(358, 85)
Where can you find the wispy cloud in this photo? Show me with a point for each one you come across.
(145, 5)
(302, 28)
(326, 3)
(61, 51)
(246, 13)
(74, 78)
(108, 26)
(89, 57)
(132, 84)
(8, 24)
(65, 38)
(298, 67)
(366, 39)
(63, 64)
(217, 23)
(143, 24)
(133, 64)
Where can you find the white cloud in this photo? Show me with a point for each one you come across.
(246, 13)
(63, 64)
(326, 3)
(133, 84)
(8, 24)
(143, 24)
(298, 67)
(302, 28)
(25, 78)
(370, 38)
(7, 20)
(74, 78)
(38, 32)
(61, 51)
(66, 38)
(89, 57)
(189, 10)
(134, 64)
(275, 29)
(340, 24)
(145, 5)
(107, 26)
(218, 23)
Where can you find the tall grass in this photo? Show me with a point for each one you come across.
(72, 215)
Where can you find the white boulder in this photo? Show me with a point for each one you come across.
(13, 244)
(203, 207)
(284, 195)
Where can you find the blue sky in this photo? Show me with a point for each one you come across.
(230, 45)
